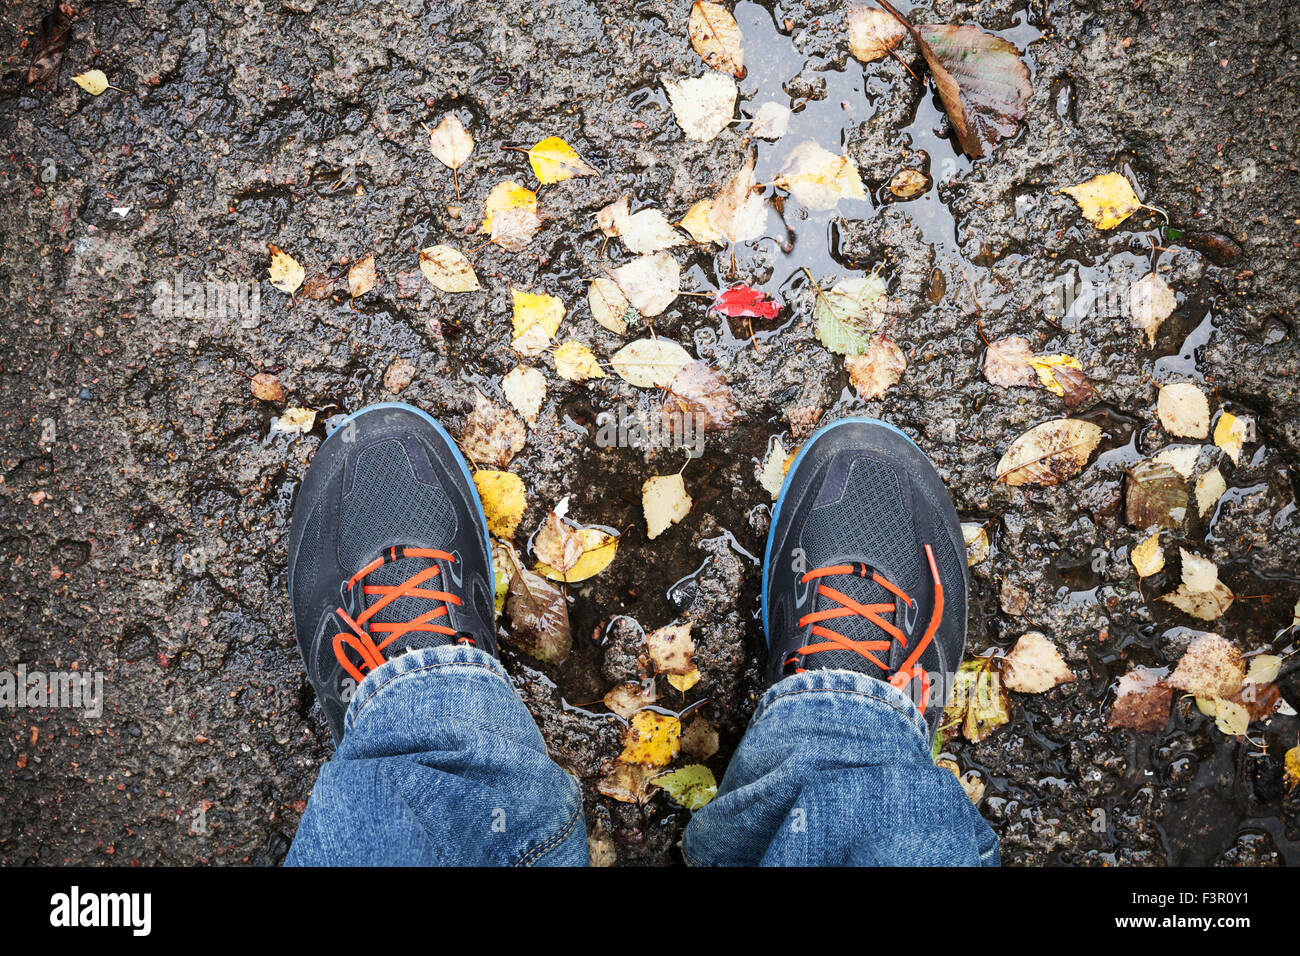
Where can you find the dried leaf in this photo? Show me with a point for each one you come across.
(1181, 458)
(770, 122)
(979, 704)
(649, 231)
(702, 393)
(553, 161)
(399, 374)
(362, 277)
(513, 229)
(650, 363)
(1007, 362)
(450, 142)
(1231, 718)
(651, 739)
(1148, 558)
(650, 283)
(539, 615)
(738, 213)
(692, 786)
(627, 783)
(1230, 434)
(703, 105)
(599, 548)
(1074, 385)
(699, 739)
(56, 30)
(1034, 665)
(819, 178)
(534, 310)
(628, 698)
(93, 82)
(873, 33)
(1291, 768)
(772, 475)
(285, 272)
(715, 34)
(908, 183)
(505, 196)
(1150, 302)
(266, 387)
(448, 270)
(1047, 366)
(295, 420)
(611, 219)
(1199, 574)
(1184, 410)
(502, 496)
(558, 544)
(977, 542)
(492, 436)
(850, 313)
(1210, 667)
(672, 651)
(1105, 200)
(1142, 701)
(1155, 495)
(1203, 605)
(665, 502)
(575, 362)
(1263, 669)
(525, 389)
(877, 369)
(608, 305)
(696, 222)
(1049, 453)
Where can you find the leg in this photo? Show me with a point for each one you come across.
(390, 576)
(864, 610)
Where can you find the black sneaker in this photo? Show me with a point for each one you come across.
(388, 551)
(865, 567)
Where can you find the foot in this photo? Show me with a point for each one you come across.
(866, 566)
(388, 552)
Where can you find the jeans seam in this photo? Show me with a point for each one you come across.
(766, 705)
(361, 705)
(537, 852)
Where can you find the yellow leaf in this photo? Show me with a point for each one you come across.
(1230, 435)
(1046, 366)
(505, 196)
(684, 682)
(1148, 557)
(1231, 717)
(554, 161)
(715, 34)
(286, 274)
(652, 739)
(696, 222)
(1291, 765)
(598, 550)
(1106, 200)
(300, 420)
(93, 82)
(819, 178)
(536, 309)
(362, 277)
(575, 362)
(502, 494)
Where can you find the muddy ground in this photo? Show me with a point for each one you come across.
(144, 502)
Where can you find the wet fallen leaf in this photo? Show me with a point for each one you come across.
(983, 83)
(665, 502)
(672, 650)
(977, 542)
(599, 547)
(1204, 605)
(650, 283)
(399, 374)
(628, 698)
(684, 682)
(505, 196)
(448, 270)
(266, 387)
(534, 310)
(650, 363)
(56, 30)
(699, 739)
(1181, 458)
(600, 846)
(502, 495)
(93, 82)
(1263, 668)
(877, 369)
(1184, 410)
(1034, 665)
(1199, 574)
(1047, 366)
(1105, 200)
(513, 229)
(1291, 768)
(1230, 433)
(715, 34)
(649, 231)
(553, 161)
(908, 183)
(362, 277)
(703, 105)
(608, 304)
(772, 475)
(1210, 667)
(700, 392)
(738, 213)
(770, 122)
(850, 313)
(1074, 385)
(558, 544)
(492, 436)
(1148, 557)
(451, 144)
(1150, 302)
(1049, 453)
(818, 178)
(627, 783)
(575, 362)
(1231, 718)
(525, 390)
(696, 222)
(979, 703)
(539, 615)
(611, 219)
(295, 420)
(1155, 495)
(1142, 701)
(1209, 489)
(692, 786)
(743, 300)
(873, 33)
(651, 739)
(1007, 362)
(285, 272)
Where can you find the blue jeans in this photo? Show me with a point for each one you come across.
(441, 764)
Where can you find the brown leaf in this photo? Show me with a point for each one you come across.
(1155, 495)
(1075, 387)
(699, 739)
(1007, 363)
(267, 388)
(56, 30)
(1142, 701)
(492, 436)
(362, 277)
(716, 37)
(877, 369)
(1049, 453)
(539, 614)
(557, 543)
(701, 393)
(1210, 667)
(627, 783)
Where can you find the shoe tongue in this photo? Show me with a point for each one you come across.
(406, 608)
(855, 627)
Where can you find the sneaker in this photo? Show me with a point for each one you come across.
(388, 552)
(865, 567)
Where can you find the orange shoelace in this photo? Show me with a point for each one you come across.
(362, 637)
(848, 607)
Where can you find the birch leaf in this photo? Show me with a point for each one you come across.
(525, 389)
(649, 231)
(611, 219)
(650, 363)
(608, 305)
(503, 499)
(770, 122)
(650, 283)
(1150, 302)
(665, 502)
(1148, 557)
(450, 142)
(1105, 200)
(447, 269)
(1209, 489)
(627, 698)
(651, 739)
(574, 361)
(701, 392)
(849, 314)
(819, 178)
(285, 271)
(1184, 410)
(535, 309)
(627, 783)
(513, 229)
(1155, 495)
(873, 33)
(539, 614)
(506, 195)
(1007, 362)
(1049, 453)
(696, 222)
(553, 160)
(1210, 667)
(1034, 665)
(671, 649)
(692, 786)
(491, 435)
(703, 105)
(558, 544)
(1230, 433)
(1046, 366)
(598, 549)
(93, 82)
(738, 213)
(715, 34)
(1142, 701)
(976, 538)
(877, 369)
(295, 420)
(362, 277)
